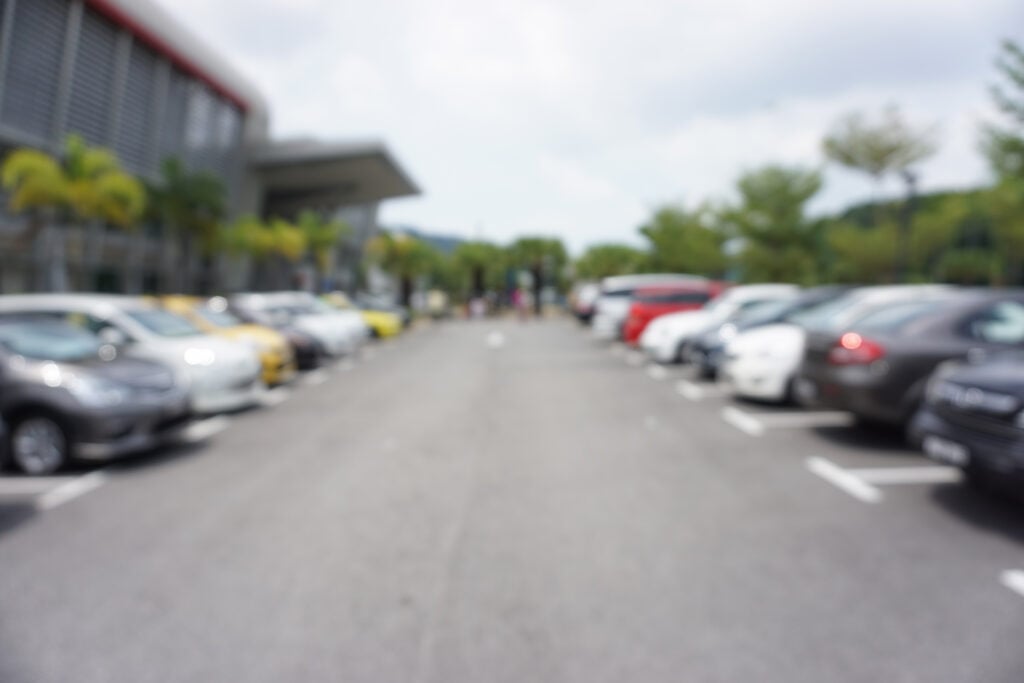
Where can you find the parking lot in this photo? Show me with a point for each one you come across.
(504, 501)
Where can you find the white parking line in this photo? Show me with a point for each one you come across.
(71, 490)
(806, 419)
(743, 421)
(689, 390)
(205, 429)
(883, 476)
(313, 378)
(275, 397)
(1014, 580)
(656, 372)
(30, 486)
(495, 340)
(840, 478)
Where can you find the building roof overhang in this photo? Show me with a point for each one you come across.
(307, 174)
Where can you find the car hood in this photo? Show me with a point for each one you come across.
(137, 373)
(1002, 374)
(684, 321)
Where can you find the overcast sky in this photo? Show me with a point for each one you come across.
(577, 117)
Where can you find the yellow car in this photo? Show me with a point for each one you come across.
(211, 316)
(382, 324)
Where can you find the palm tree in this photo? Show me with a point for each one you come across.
(86, 185)
(321, 238)
(192, 206)
(404, 256)
(274, 246)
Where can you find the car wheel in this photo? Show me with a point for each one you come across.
(39, 444)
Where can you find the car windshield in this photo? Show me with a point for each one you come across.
(218, 318)
(163, 323)
(895, 317)
(49, 341)
(822, 315)
(763, 312)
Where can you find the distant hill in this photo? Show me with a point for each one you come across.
(443, 243)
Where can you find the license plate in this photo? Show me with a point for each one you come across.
(946, 451)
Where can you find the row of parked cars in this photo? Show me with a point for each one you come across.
(944, 363)
(96, 376)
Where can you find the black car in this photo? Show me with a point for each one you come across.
(309, 353)
(878, 366)
(64, 394)
(708, 350)
(973, 417)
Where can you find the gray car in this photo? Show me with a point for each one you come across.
(66, 395)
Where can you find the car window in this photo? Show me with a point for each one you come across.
(693, 297)
(1002, 323)
(217, 318)
(49, 341)
(163, 323)
(897, 316)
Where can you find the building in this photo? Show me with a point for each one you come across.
(125, 75)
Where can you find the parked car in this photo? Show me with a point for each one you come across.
(380, 302)
(66, 395)
(612, 307)
(877, 366)
(707, 350)
(308, 352)
(762, 363)
(652, 302)
(582, 299)
(382, 324)
(336, 332)
(212, 317)
(222, 375)
(973, 418)
(666, 338)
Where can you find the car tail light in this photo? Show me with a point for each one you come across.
(853, 349)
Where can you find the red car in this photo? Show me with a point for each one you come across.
(651, 302)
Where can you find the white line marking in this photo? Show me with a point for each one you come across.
(908, 475)
(689, 390)
(1014, 580)
(313, 378)
(205, 429)
(656, 372)
(30, 486)
(274, 397)
(495, 340)
(742, 421)
(71, 490)
(807, 419)
(842, 479)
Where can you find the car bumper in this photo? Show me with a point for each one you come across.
(999, 455)
(763, 379)
(854, 390)
(111, 434)
(278, 368)
(243, 394)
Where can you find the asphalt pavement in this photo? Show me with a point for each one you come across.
(505, 501)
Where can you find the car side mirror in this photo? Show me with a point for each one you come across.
(113, 336)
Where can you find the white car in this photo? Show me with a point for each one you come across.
(665, 337)
(611, 309)
(761, 363)
(338, 332)
(221, 374)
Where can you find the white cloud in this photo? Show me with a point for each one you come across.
(578, 116)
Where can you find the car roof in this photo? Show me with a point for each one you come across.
(74, 301)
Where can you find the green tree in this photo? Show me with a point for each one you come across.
(544, 257)
(192, 206)
(86, 185)
(274, 246)
(478, 266)
(604, 260)
(779, 243)
(321, 237)
(862, 254)
(1004, 145)
(880, 148)
(683, 241)
(404, 257)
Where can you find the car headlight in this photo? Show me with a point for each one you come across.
(95, 392)
(201, 357)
